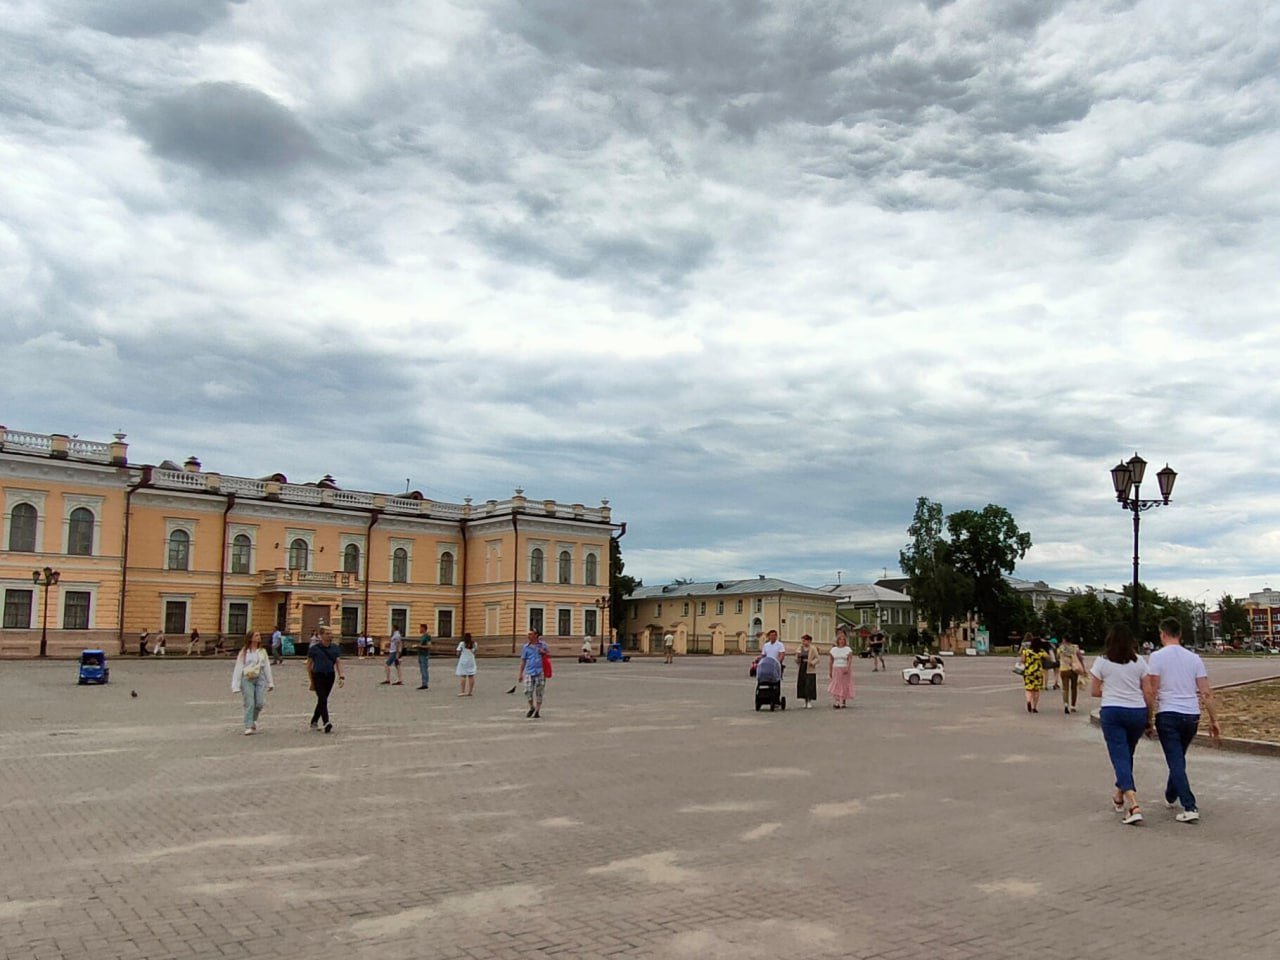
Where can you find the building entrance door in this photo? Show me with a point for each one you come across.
(314, 616)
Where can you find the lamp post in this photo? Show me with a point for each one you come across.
(45, 578)
(1127, 480)
(601, 604)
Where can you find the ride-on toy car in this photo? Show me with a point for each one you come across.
(924, 668)
(93, 667)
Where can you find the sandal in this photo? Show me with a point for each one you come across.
(1134, 816)
(1117, 803)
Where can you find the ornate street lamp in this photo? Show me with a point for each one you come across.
(1127, 480)
(45, 578)
(602, 603)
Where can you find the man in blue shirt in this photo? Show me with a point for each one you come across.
(424, 656)
(323, 664)
(535, 681)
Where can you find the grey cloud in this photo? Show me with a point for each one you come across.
(228, 129)
(151, 18)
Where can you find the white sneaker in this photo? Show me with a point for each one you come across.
(1188, 816)
(1172, 804)
(808, 704)
(248, 731)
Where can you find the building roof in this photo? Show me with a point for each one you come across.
(722, 587)
(865, 593)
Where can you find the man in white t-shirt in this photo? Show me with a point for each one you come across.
(1179, 684)
(774, 647)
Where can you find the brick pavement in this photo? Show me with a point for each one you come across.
(651, 813)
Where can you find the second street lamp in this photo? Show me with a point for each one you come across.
(1126, 477)
(45, 578)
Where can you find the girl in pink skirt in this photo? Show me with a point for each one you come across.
(840, 672)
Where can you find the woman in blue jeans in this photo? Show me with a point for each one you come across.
(1118, 678)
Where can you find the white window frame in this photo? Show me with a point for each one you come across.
(561, 549)
(539, 545)
(91, 589)
(27, 586)
(246, 530)
(391, 607)
(528, 617)
(71, 503)
(405, 544)
(591, 612)
(591, 554)
(453, 621)
(165, 598)
(309, 536)
(13, 497)
(719, 608)
(248, 620)
(560, 611)
(187, 526)
(454, 553)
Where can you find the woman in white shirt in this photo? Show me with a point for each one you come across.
(466, 668)
(840, 672)
(1118, 678)
(252, 679)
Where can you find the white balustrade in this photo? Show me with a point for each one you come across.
(89, 450)
(23, 442)
(352, 498)
(179, 479)
(244, 487)
(299, 493)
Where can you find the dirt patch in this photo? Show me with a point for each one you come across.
(1250, 712)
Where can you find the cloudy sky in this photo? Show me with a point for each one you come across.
(760, 273)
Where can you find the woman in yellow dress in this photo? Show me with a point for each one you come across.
(1033, 660)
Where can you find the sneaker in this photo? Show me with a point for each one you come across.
(537, 714)
(422, 686)
(384, 683)
(529, 714)
(314, 725)
(1171, 804)
(1188, 816)
(248, 731)
(808, 704)
(253, 727)
(1134, 816)
(328, 728)
(398, 683)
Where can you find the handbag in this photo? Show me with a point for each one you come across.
(1020, 669)
(546, 665)
(253, 670)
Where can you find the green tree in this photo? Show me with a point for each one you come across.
(986, 544)
(621, 585)
(939, 591)
(1234, 618)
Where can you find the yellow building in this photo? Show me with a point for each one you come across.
(728, 616)
(169, 549)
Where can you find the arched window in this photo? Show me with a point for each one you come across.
(179, 550)
(591, 570)
(351, 559)
(80, 533)
(446, 568)
(564, 572)
(535, 566)
(22, 528)
(298, 555)
(400, 565)
(241, 550)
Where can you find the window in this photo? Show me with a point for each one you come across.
(179, 551)
(237, 619)
(702, 608)
(589, 625)
(657, 609)
(400, 619)
(351, 559)
(350, 621)
(298, 555)
(17, 609)
(535, 566)
(80, 533)
(564, 623)
(400, 566)
(175, 616)
(719, 606)
(22, 528)
(535, 619)
(241, 549)
(444, 623)
(738, 608)
(759, 605)
(591, 570)
(446, 569)
(684, 609)
(564, 573)
(75, 610)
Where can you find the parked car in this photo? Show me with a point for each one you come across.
(93, 667)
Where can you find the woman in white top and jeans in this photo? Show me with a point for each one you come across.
(1118, 678)
(252, 679)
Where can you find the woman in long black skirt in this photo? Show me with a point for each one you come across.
(806, 671)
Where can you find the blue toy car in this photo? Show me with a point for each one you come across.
(93, 667)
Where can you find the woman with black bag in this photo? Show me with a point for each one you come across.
(807, 671)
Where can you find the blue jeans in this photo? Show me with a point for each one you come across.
(1122, 728)
(424, 668)
(254, 693)
(1176, 731)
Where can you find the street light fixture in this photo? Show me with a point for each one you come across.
(45, 578)
(1127, 480)
(602, 604)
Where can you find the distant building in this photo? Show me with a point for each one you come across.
(170, 548)
(728, 616)
(865, 606)
(1263, 608)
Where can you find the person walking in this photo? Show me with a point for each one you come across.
(1053, 664)
(394, 646)
(1119, 678)
(1178, 684)
(193, 642)
(324, 662)
(1033, 660)
(466, 668)
(1070, 670)
(774, 647)
(277, 645)
(807, 671)
(840, 672)
(142, 642)
(252, 679)
(532, 673)
(161, 649)
(876, 645)
(424, 656)
(668, 648)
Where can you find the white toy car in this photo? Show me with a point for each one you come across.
(924, 669)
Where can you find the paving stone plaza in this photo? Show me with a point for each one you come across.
(650, 813)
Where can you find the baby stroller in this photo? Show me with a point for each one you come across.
(769, 684)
